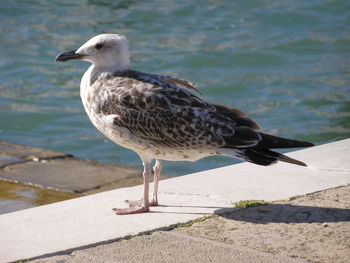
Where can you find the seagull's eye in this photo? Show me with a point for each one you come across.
(99, 46)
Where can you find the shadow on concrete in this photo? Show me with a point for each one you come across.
(286, 213)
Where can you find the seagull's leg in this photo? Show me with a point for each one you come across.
(145, 201)
(157, 168)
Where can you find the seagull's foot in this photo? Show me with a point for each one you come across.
(138, 203)
(131, 210)
(134, 203)
(153, 203)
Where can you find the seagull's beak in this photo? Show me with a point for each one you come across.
(69, 55)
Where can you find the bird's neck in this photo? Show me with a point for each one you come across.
(96, 71)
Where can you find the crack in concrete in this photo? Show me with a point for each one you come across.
(14, 163)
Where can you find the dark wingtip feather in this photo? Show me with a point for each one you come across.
(286, 159)
(273, 142)
(267, 157)
(309, 144)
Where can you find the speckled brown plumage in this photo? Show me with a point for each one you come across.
(160, 118)
(169, 116)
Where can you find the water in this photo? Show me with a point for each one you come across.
(15, 197)
(285, 63)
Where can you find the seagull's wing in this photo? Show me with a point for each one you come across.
(159, 80)
(181, 83)
(170, 116)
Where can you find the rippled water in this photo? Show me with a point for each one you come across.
(286, 63)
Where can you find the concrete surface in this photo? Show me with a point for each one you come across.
(328, 166)
(45, 168)
(25, 153)
(315, 227)
(86, 221)
(170, 247)
(308, 228)
(72, 174)
(29, 174)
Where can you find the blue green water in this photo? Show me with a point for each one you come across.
(285, 63)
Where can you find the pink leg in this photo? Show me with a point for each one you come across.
(145, 201)
(157, 168)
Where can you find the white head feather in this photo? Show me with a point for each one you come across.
(107, 51)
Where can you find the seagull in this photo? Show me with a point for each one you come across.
(163, 117)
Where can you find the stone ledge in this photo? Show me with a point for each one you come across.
(89, 220)
(45, 168)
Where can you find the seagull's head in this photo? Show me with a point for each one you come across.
(103, 51)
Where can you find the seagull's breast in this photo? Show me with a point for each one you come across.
(140, 116)
(92, 100)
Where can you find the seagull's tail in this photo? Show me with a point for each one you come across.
(267, 157)
(259, 156)
(261, 153)
(273, 142)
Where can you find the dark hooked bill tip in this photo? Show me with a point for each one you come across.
(68, 55)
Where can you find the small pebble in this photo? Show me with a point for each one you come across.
(325, 224)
